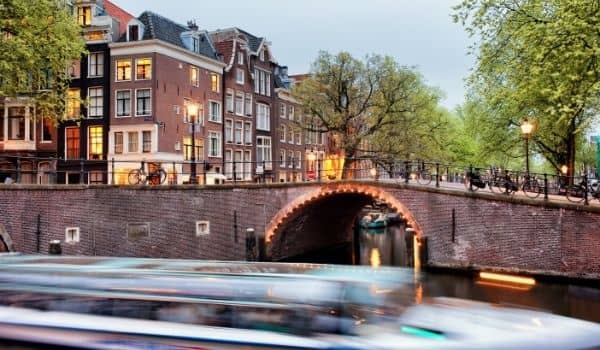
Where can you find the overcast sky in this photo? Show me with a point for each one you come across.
(416, 32)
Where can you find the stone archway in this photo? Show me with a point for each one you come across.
(6, 243)
(342, 202)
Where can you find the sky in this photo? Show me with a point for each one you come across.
(417, 33)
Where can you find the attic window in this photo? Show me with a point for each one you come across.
(195, 44)
(84, 15)
(134, 32)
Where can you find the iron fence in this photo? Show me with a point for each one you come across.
(36, 170)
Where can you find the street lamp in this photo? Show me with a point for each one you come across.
(526, 129)
(192, 112)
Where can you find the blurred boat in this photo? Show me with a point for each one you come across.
(373, 220)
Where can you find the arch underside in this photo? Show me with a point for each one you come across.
(324, 217)
(6, 244)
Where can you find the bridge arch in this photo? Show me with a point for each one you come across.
(350, 195)
(6, 243)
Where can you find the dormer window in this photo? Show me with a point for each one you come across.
(195, 44)
(134, 32)
(84, 15)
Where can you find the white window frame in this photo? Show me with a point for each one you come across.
(229, 101)
(215, 118)
(298, 160)
(298, 137)
(89, 108)
(282, 158)
(117, 69)
(260, 147)
(283, 133)
(239, 76)
(263, 116)
(117, 104)
(229, 163)
(229, 134)
(240, 57)
(239, 141)
(220, 144)
(256, 81)
(202, 228)
(239, 106)
(247, 133)
(137, 136)
(247, 157)
(248, 105)
(100, 73)
(136, 104)
(136, 65)
(72, 234)
(283, 111)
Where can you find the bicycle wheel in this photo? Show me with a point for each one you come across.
(467, 183)
(162, 175)
(531, 188)
(135, 177)
(575, 193)
(424, 178)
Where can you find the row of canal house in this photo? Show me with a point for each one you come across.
(138, 81)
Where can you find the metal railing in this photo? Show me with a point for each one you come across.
(29, 170)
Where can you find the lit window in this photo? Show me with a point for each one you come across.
(143, 102)
(72, 143)
(123, 70)
(214, 82)
(143, 68)
(124, 103)
(95, 102)
(84, 15)
(73, 104)
(95, 143)
(194, 76)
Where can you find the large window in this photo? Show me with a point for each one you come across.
(84, 15)
(143, 102)
(214, 82)
(123, 103)
(282, 133)
(248, 133)
(248, 107)
(291, 109)
(239, 76)
(16, 123)
(123, 70)
(143, 69)
(228, 163)
(263, 118)
(72, 143)
(282, 158)
(247, 165)
(239, 103)
(228, 131)
(194, 76)
(229, 101)
(214, 139)
(298, 159)
(95, 150)
(146, 141)
(239, 166)
(95, 102)
(96, 64)
(132, 142)
(118, 142)
(263, 150)
(239, 126)
(214, 111)
(262, 82)
(73, 104)
(282, 111)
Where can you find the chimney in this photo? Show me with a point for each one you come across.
(192, 25)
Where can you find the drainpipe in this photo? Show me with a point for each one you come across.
(223, 109)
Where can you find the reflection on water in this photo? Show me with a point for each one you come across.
(393, 248)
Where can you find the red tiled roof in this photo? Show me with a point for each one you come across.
(119, 14)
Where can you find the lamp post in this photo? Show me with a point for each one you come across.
(192, 111)
(526, 129)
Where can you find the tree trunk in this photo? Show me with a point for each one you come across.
(347, 172)
(571, 157)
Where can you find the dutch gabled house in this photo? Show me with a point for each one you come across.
(83, 135)
(249, 99)
(158, 69)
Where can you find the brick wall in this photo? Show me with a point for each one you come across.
(490, 231)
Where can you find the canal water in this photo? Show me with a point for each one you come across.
(388, 247)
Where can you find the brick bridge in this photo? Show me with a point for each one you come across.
(463, 229)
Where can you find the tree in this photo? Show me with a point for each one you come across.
(38, 41)
(537, 59)
(367, 106)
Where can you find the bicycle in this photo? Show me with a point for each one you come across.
(576, 193)
(504, 184)
(531, 187)
(155, 175)
(424, 177)
(474, 180)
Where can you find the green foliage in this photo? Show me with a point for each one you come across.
(38, 40)
(373, 107)
(537, 59)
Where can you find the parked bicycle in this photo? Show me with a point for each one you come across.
(424, 176)
(531, 186)
(577, 192)
(155, 175)
(502, 183)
